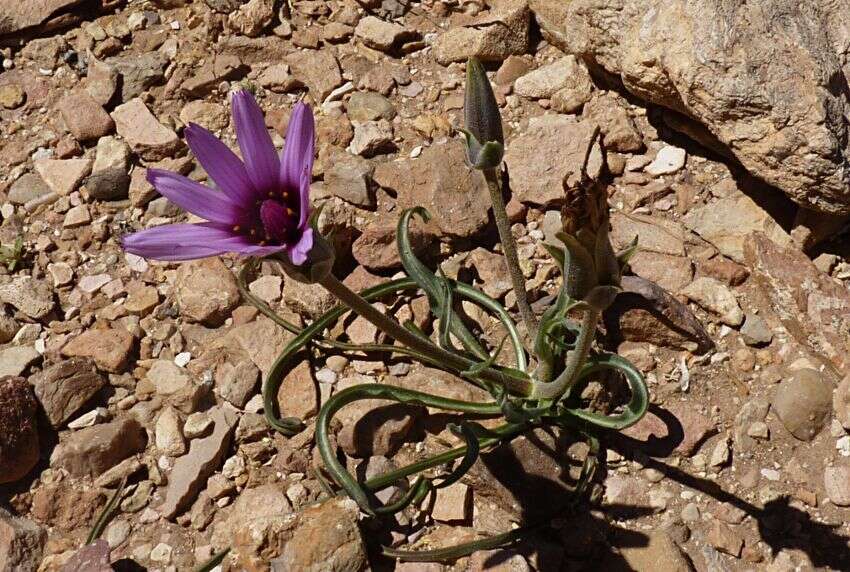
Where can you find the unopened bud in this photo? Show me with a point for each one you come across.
(485, 142)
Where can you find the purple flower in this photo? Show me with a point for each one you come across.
(262, 206)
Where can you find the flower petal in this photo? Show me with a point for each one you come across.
(180, 241)
(304, 198)
(298, 252)
(195, 197)
(299, 148)
(221, 164)
(258, 151)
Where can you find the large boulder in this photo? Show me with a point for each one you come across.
(767, 78)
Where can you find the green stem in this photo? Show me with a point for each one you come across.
(509, 248)
(575, 359)
(424, 346)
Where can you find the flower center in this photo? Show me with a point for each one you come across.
(278, 220)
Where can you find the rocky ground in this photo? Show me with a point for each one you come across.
(115, 367)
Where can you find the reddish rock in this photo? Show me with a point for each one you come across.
(109, 348)
(440, 181)
(18, 434)
(206, 291)
(66, 507)
(665, 425)
(65, 387)
(814, 308)
(93, 450)
(299, 393)
(726, 271)
(21, 543)
(376, 248)
(645, 312)
(143, 131)
(85, 118)
(725, 539)
(93, 557)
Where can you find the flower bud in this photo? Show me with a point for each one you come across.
(319, 263)
(485, 142)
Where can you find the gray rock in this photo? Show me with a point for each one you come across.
(111, 152)
(755, 331)
(27, 188)
(841, 402)
(110, 184)
(191, 471)
(372, 137)
(803, 403)
(31, 296)
(752, 412)
(15, 360)
(668, 160)
(546, 80)
(836, 481)
(382, 35)
(369, 106)
(349, 177)
(237, 382)
(752, 102)
(139, 72)
(175, 385)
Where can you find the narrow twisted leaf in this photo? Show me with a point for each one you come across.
(579, 267)
(421, 487)
(626, 254)
(429, 282)
(472, 449)
(455, 552)
(213, 562)
(378, 391)
(283, 362)
(634, 410)
(607, 265)
(107, 513)
(446, 313)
